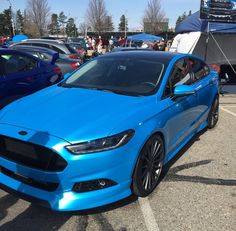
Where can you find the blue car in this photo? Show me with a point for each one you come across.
(22, 74)
(106, 131)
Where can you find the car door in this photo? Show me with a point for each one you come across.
(206, 85)
(182, 110)
(21, 76)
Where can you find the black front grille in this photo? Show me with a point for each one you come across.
(47, 186)
(31, 155)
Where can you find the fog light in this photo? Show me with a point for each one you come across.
(92, 185)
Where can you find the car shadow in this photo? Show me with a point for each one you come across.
(5, 203)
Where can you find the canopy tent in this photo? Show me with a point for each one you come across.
(216, 47)
(193, 23)
(144, 37)
(19, 37)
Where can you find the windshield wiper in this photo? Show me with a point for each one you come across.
(119, 92)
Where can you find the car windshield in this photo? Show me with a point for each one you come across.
(122, 75)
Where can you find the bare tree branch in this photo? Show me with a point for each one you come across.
(96, 15)
(153, 17)
(38, 12)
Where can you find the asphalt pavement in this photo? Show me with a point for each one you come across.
(197, 192)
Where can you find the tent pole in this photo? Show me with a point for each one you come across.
(207, 41)
(221, 50)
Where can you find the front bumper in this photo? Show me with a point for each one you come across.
(116, 165)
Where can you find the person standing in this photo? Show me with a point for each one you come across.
(111, 44)
(99, 47)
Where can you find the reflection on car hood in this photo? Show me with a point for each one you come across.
(73, 114)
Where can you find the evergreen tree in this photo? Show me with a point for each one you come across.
(19, 22)
(179, 20)
(6, 23)
(62, 19)
(71, 29)
(53, 27)
(123, 23)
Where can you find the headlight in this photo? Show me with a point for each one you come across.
(100, 145)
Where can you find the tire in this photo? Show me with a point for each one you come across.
(148, 167)
(213, 115)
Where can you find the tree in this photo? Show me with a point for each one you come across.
(84, 28)
(108, 24)
(71, 29)
(54, 27)
(96, 14)
(154, 17)
(19, 22)
(179, 20)
(6, 23)
(38, 13)
(62, 19)
(182, 17)
(123, 23)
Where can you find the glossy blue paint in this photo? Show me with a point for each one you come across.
(63, 116)
(17, 79)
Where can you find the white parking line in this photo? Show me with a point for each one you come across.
(230, 106)
(228, 111)
(148, 215)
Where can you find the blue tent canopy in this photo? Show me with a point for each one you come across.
(19, 37)
(144, 37)
(194, 23)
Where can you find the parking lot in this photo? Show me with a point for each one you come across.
(197, 192)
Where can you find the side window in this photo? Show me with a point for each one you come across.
(57, 50)
(200, 69)
(41, 45)
(182, 73)
(18, 63)
(2, 64)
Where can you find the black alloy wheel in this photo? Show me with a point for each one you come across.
(213, 116)
(148, 168)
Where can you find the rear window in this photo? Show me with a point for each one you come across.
(72, 50)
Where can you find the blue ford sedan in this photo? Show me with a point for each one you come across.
(107, 130)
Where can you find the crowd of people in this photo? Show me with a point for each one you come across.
(103, 45)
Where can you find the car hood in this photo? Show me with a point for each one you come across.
(74, 114)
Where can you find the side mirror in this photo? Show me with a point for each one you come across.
(183, 90)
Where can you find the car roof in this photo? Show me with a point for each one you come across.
(161, 56)
(33, 48)
(11, 51)
(44, 41)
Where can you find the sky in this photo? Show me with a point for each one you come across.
(134, 9)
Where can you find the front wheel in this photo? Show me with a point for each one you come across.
(148, 168)
(213, 116)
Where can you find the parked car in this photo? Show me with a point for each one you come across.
(108, 130)
(76, 40)
(56, 45)
(78, 47)
(65, 64)
(22, 74)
